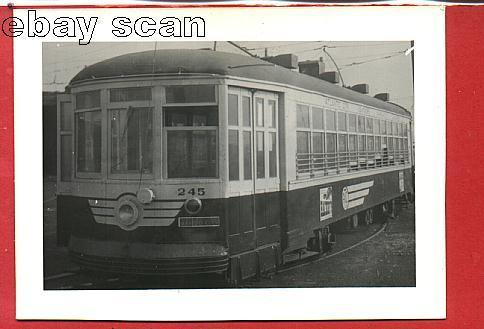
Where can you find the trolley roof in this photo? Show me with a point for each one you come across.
(175, 61)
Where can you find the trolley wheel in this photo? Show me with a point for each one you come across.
(379, 213)
(353, 221)
(393, 209)
(227, 281)
(369, 216)
(233, 275)
(320, 239)
(329, 241)
(410, 197)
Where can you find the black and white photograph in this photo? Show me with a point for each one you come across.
(228, 164)
(298, 159)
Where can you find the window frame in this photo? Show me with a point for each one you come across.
(65, 108)
(109, 101)
(367, 133)
(241, 128)
(253, 183)
(130, 175)
(178, 84)
(190, 128)
(267, 130)
(108, 106)
(164, 131)
(76, 111)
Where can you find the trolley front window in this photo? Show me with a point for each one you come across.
(131, 140)
(190, 94)
(130, 94)
(192, 153)
(88, 134)
(191, 141)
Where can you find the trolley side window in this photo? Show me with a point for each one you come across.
(271, 114)
(233, 113)
(377, 126)
(246, 118)
(389, 128)
(348, 142)
(233, 154)
(383, 127)
(341, 121)
(352, 122)
(330, 120)
(88, 132)
(259, 111)
(247, 155)
(302, 113)
(318, 118)
(239, 120)
(88, 100)
(272, 154)
(361, 124)
(64, 135)
(260, 154)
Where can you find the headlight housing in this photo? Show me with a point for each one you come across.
(193, 206)
(128, 212)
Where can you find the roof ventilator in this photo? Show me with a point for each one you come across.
(313, 68)
(289, 61)
(362, 88)
(383, 96)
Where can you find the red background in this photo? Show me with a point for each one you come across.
(465, 159)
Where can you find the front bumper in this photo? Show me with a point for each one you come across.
(149, 259)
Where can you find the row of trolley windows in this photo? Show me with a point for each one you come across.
(191, 131)
(324, 119)
(328, 140)
(240, 137)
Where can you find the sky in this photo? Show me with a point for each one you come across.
(383, 65)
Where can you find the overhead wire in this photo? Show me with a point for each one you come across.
(388, 43)
(373, 60)
(284, 45)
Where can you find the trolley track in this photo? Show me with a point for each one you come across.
(80, 280)
(320, 257)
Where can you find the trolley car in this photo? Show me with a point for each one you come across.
(196, 161)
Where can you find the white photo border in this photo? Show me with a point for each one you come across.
(424, 25)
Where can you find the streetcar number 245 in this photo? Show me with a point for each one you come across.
(193, 191)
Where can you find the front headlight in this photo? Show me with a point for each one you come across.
(128, 212)
(193, 206)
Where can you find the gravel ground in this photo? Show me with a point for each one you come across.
(387, 260)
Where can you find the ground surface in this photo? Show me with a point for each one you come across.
(386, 259)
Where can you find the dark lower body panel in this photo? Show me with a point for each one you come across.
(255, 230)
(143, 258)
